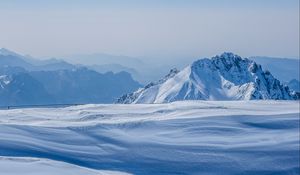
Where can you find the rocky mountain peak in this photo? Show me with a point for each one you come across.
(222, 77)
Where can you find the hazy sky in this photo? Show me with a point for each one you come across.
(152, 28)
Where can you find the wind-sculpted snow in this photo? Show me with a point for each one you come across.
(191, 137)
(36, 166)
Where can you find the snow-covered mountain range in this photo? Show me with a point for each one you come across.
(224, 77)
(28, 81)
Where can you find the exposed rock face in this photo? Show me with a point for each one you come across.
(224, 77)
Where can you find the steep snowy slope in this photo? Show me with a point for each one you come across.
(224, 77)
(284, 69)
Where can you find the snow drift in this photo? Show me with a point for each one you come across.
(190, 137)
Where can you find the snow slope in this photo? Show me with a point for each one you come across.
(224, 77)
(190, 137)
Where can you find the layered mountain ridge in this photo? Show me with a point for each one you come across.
(224, 77)
(27, 81)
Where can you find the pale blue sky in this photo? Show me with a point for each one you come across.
(174, 28)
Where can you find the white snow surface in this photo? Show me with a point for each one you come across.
(224, 77)
(37, 166)
(184, 137)
(93, 114)
(4, 80)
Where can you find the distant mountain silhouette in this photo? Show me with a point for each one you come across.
(25, 81)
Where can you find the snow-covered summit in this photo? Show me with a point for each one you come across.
(223, 77)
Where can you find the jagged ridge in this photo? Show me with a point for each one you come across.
(224, 77)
